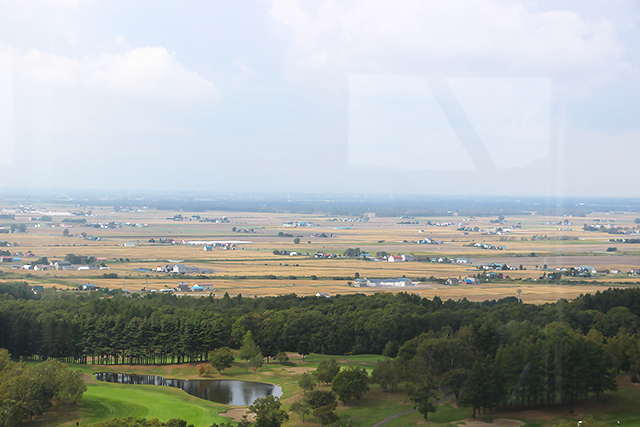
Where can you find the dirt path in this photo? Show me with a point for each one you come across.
(497, 422)
(88, 378)
(237, 413)
(393, 417)
(301, 370)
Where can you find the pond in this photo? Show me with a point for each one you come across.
(229, 392)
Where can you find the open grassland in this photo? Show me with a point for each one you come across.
(532, 243)
(104, 401)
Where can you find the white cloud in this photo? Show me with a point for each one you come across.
(460, 37)
(145, 71)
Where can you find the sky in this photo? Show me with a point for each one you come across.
(487, 97)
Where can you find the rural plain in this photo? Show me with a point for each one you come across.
(269, 254)
(252, 268)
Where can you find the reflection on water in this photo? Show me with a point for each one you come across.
(229, 392)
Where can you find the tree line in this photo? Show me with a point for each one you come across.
(528, 367)
(156, 328)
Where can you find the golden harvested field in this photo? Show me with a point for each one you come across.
(252, 269)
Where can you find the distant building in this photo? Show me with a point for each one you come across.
(323, 294)
(452, 281)
(207, 287)
(183, 269)
(88, 287)
(401, 282)
(59, 265)
(183, 287)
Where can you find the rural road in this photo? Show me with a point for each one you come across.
(447, 396)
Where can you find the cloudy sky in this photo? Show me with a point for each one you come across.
(405, 96)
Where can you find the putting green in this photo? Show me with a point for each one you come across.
(145, 401)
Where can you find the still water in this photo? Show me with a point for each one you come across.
(229, 392)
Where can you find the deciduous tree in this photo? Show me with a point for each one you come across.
(268, 412)
(349, 383)
(221, 358)
(327, 370)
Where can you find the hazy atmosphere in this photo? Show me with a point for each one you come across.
(405, 97)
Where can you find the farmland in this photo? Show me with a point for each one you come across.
(534, 245)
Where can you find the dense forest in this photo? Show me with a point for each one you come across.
(515, 353)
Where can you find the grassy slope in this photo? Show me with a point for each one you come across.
(103, 400)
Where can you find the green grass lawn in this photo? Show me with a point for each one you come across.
(103, 401)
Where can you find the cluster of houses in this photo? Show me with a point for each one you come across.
(429, 241)
(324, 255)
(114, 225)
(565, 222)
(296, 224)
(362, 219)
(109, 225)
(483, 245)
(182, 269)
(453, 281)
(441, 224)
(130, 210)
(395, 258)
(224, 246)
(401, 282)
(497, 231)
(60, 266)
(179, 217)
(224, 219)
(580, 270)
(498, 266)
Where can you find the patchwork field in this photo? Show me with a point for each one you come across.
(535, 245)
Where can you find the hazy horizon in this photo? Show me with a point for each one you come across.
(489, 97)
